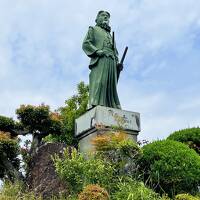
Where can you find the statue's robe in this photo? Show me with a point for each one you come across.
(103, 75)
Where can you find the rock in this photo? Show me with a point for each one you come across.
(42, 178)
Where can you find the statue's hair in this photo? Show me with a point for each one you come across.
(101, 11)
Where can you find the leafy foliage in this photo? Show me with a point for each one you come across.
(116, 140)
(39, 119)
(167, 166)
(189, 136)
(121, 152)
(109, 141)
(105, 167)
(15, 191)
(9, 151)
(78, 171)
(74, 107)
(6, 124)
(93, 192)
(170, 167)
(130, 189)
(186, 197)
(4, 136)
(18, 191)
(40, 122)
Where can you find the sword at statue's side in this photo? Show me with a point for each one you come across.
(123, 56)
(121, 62)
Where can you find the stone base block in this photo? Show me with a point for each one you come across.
(101, 120)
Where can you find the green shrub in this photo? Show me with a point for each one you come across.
(116, 154)
(117, 140)
(15, 191)
(115, 147)
(133, 190)
(93, 192)
(189, 136)
(9, 161)
(170, 167)
(186, 197)
(77, 171)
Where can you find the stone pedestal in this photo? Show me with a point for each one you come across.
(100, 120)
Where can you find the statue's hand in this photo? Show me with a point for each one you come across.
(99, 52)
(120, 66)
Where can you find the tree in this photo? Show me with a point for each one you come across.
(36, 120)
(9, 150)
(39, 121)
(74, 107)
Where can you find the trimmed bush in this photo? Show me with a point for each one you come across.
(171, 167)
(189, 136)
(93, 192)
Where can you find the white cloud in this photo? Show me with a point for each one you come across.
(41, 59)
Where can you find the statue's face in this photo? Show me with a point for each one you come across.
(103, 18)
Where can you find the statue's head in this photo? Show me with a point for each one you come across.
(103, 17)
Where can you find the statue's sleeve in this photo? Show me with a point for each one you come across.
(88, 46)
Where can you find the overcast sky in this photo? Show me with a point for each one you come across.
(41, 60)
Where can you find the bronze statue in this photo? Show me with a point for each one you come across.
(105, 68)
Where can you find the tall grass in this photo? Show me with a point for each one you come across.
(17, 191)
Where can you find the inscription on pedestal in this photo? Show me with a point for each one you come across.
(101, 120)
(108, 117)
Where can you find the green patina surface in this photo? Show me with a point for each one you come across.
(99, 45)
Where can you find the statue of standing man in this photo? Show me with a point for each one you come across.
(100, 46)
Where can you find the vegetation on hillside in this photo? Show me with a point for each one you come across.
(117, 169)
